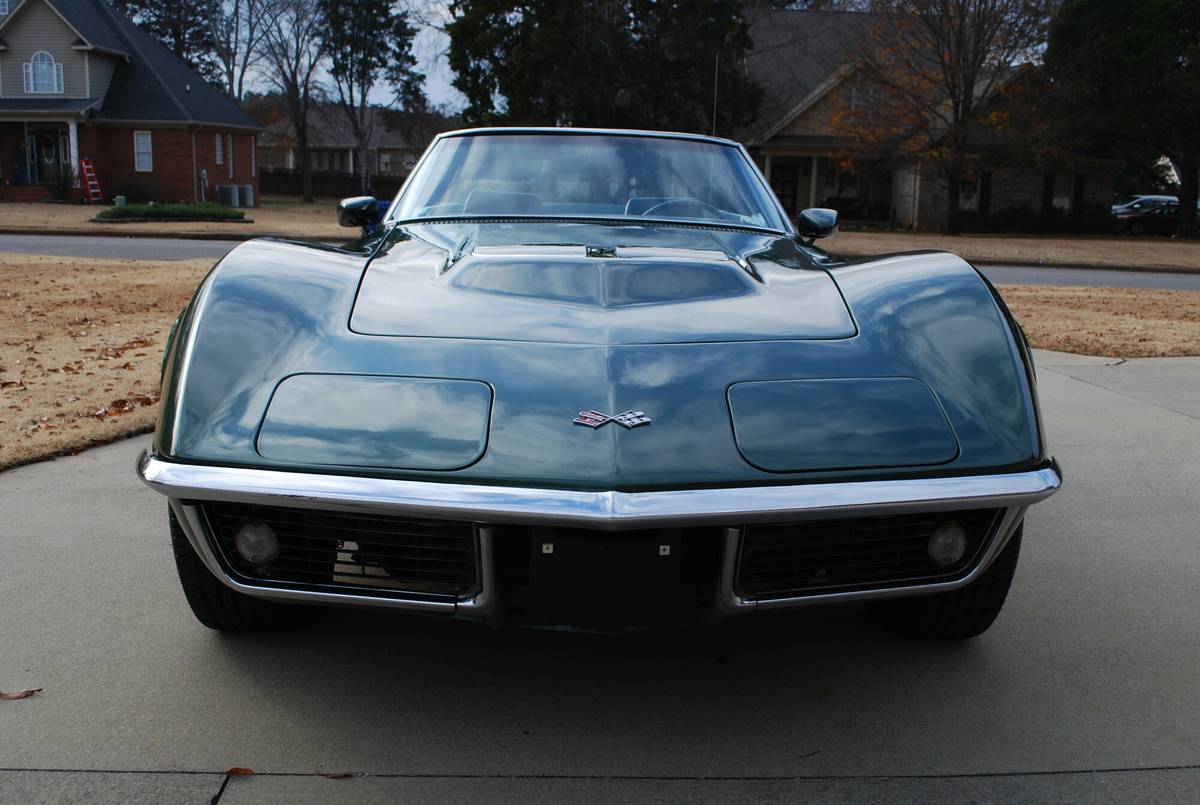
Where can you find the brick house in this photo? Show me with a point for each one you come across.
(805, 62)
(332, 146)
(80, 80)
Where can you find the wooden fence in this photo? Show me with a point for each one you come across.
(326, 184)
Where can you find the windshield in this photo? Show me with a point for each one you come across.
(588, 176)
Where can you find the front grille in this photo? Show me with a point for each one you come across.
(345, 549)
(822, 556)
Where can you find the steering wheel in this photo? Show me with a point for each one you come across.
(684, 204)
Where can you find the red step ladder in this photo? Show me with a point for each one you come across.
(91, 185)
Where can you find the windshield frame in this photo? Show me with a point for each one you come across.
(775, 207)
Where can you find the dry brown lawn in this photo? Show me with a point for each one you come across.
(80, 348)
(81, 341)
(1117, 322)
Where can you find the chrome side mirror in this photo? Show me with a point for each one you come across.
(817, 222)
(359, 211)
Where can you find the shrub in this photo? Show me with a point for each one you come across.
(170, 212)
(1094, 218)
(60, 186)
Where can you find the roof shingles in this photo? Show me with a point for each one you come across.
(150, 83)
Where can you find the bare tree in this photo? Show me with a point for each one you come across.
(369, 43)
(237, 29)
(938, 66)
(292, 54)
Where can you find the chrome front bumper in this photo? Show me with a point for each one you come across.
(731, 507)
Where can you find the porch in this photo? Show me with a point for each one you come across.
(39, 156)
(860, 194)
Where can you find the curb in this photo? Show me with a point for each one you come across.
(108, 233)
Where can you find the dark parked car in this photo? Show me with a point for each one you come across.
(1162, 219)
(595, 378)
(1141, 203)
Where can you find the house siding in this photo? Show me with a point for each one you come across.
(100, 73)
(38, 27)
(206, 163)
(817, 119)
(172, 178)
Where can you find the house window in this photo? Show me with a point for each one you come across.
(143, 154)
(220, 141)
(43, 75)
(968, 193)
(253, 156)
(3, 7)
(229, 149)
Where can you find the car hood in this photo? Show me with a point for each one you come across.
(593, 284)
(428, 359)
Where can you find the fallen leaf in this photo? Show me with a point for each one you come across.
(20, 694)
(239, 771)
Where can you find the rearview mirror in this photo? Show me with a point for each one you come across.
(359, 211)
(818, 222)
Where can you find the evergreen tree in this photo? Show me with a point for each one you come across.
(182, 25)
(624, 63)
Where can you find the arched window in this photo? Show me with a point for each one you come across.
(42, 74)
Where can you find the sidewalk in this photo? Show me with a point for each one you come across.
(317, 221)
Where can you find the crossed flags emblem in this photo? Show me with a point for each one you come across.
(627, 419)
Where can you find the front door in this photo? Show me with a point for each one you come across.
(48, 153)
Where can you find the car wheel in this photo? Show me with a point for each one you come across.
(1136, 228)
(958, 614)
(213, 603)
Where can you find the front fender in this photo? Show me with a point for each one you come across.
(934, 312)
(262, 305)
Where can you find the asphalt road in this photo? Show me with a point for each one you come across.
(1087, 689)
(136, 248)
(181, 249)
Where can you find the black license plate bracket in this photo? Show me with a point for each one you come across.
(602, 579)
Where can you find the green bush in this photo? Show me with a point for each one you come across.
(1094, 218)
(60, 186)
(170, 212)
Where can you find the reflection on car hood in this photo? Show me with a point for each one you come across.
(596, 284)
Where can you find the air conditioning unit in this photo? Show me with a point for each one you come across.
(228, 196)
(246, 195)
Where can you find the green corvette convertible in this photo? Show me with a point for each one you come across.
(595, 379)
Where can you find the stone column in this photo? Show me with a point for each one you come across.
(73, 157)
(812, 182)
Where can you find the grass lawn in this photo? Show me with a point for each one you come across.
(81, 340)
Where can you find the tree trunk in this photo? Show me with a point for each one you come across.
(1189, 189)
(365, 169)
(305, 155)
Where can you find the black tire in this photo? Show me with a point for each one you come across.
(217, 606)
(958, 614)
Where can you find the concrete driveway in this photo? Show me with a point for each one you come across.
(1087, 689)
